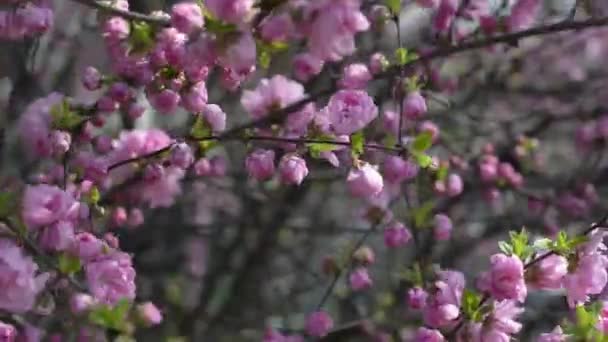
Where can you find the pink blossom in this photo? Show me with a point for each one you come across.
(588, 278)
(397, 169)
(364, 255)
(91, 78)
(87, 246)
(305, 66)
(454, 185)
(445, 15)
(428, 3)
(319, 323)
(111, 277)
(45, 204)
(8, 333)
(443, 306)
(350, 111)
(557, 335)
(333, 27)
(364, 181)
(416, 298)
(187, 17)
(116, 29)
(19, 280)
(430, 127)
(442, 229)
(260, 164)
(58, 236)
(505, 280)
(549, 272)
(195, 98)
(428, 335)
(240, 56)
(81, 302)
(359, 279)
(182, 156)
(165, 101)
(233, 11)
(149, 313)
(202, 167)
(271, 94)
(215, 117)
(277, 28)
(355, 76)
(377, 63)
(35, 125)
(396, 235)
(523, 14)
(414, 106)
(292, 169)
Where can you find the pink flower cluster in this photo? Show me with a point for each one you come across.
(26, 19)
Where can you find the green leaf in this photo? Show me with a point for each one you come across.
(357, 143)
(200, 129)
(141, 38)
(505, 247)
(422, 159)
(423, 213)
(264, 58)
(315, 149)
(8, 204)
(401, 57)
(68, 264)
(114, 318)
(218, 27)
(519, 242)
(442, 173)
(564, 245)
(422, 142)
(63, 118)
(470, 305)
(93, 196)
(394, 6)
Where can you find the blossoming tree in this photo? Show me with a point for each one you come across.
(303, 170)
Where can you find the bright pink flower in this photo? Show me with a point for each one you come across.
(333, 27)
(589, 278)
(428, 335)
(19, 280)
(195, 98)
(414, 106)
(445, 15)
(233, 11)
(215, 117)
(442, 229)
(35, 125)
(377, 63)
(240, 56)
(430, 127)
(557, 335)
(271, 94)
(428, 3)
(165, 101)
(57, 237)
(260, 164)
(277, 28)
(523, 14)
(318, 324)
(87, 246)
(355, 76)
(81, 302)
(111, 277)
(364, 181)
(187, 17)
(8, 333)
(505, 280)
(45, 204)
(454, 185)
(91, 78)
(149, 314)
(202, 167)
(359, 279)
(305, 66)
(350, 111)
(443, 306)
(549, 272)
(396, 235)
(182, 156)
(397, 169)
(416, 298)
(116, 29)
(292, 169)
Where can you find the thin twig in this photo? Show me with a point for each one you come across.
(124, 14)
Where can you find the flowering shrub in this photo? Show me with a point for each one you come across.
(180, 191)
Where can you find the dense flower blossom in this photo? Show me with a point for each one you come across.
(396, 235)
(111, 277)
(187, 16)
(442, 229)
(149, 313)
(7, 332)
(215, 117)
(233, 11)
(360, 279)
(46, 204)
(445, 15)
(350, 111)
(271, 94)
(355, 76)
(240, 56)
(589, 278)
(505, 280)
(35, 125)
(500, 325)
(523, 14)
(364, 181)
(416, 298)
(292, 169)
(306, 65)
(548, 273)
(397, 169)
(414, 106)
(443, 306)
(557, 335)
(260, 164)
(19, 278)
(319, 323)
(195, 98)
(428, 335)
(81, 302)
(57, 237)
